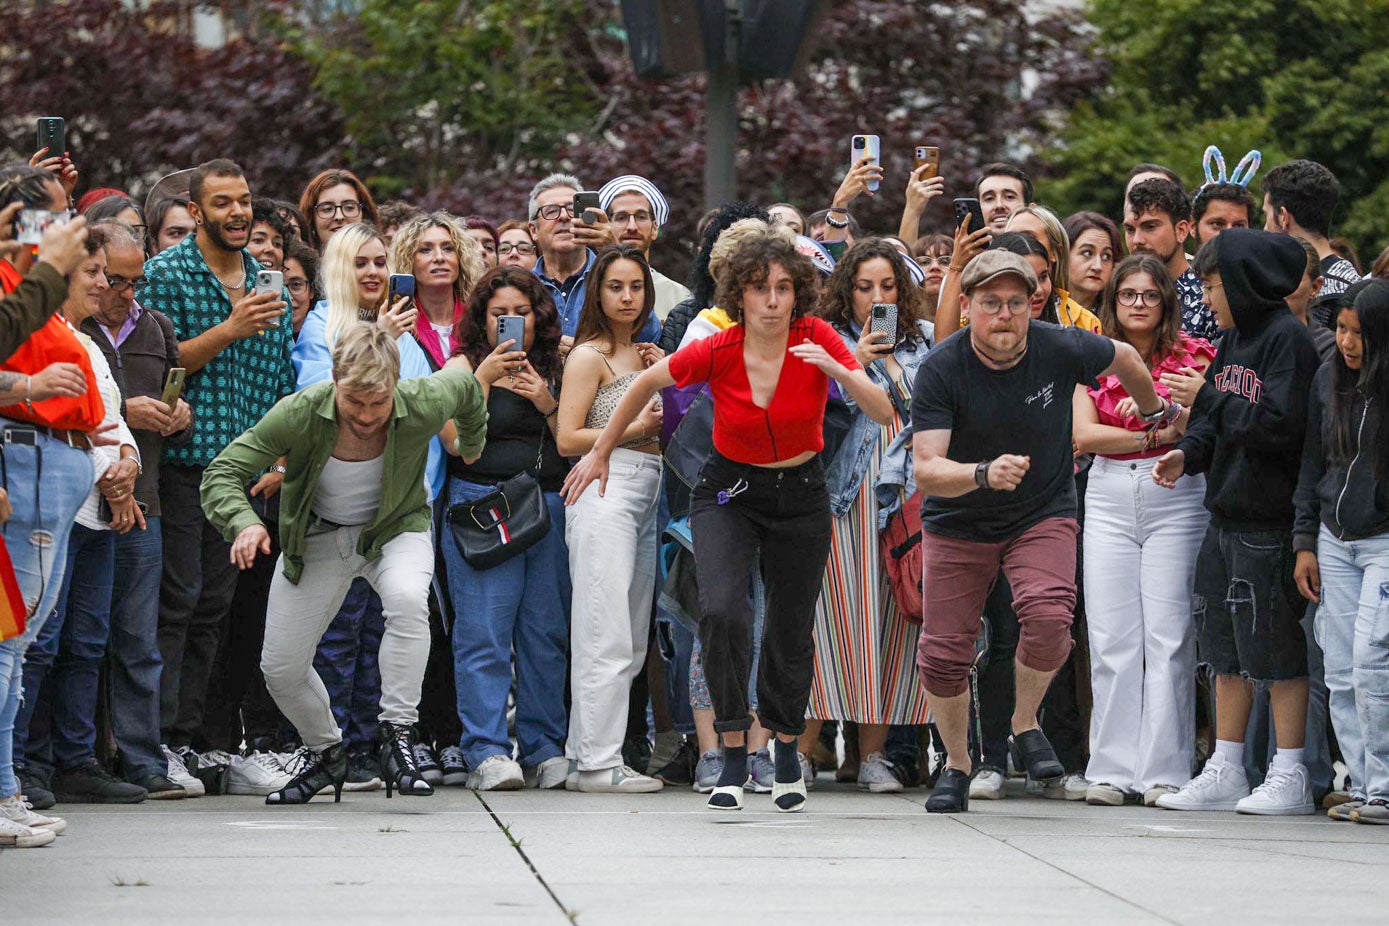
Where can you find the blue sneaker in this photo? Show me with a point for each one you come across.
(707, 771)
(761, 772)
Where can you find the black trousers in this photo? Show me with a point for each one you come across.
(194, 596)
(741, 514)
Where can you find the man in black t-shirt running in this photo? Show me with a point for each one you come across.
(991, 411)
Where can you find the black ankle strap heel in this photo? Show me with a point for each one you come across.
(321, 770)
(398, 768)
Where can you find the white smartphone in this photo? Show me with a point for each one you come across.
(270, 281)
(883, 317)
(512, 328)
(866, 146)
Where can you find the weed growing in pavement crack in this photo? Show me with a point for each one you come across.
(118, 881)
(392, 829)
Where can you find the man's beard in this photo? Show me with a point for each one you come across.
(215, 235)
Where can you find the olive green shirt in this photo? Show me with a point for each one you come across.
(303, 428)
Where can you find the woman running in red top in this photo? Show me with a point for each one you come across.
(761, 494)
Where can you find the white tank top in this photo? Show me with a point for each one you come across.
(349, 493)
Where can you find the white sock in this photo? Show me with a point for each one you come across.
(1228, 751)
(1287, 758)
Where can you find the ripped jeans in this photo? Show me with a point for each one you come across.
(47, 482)
(1246, 606)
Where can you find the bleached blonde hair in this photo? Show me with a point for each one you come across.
(737, 233)
(337, 277)
(365, 358)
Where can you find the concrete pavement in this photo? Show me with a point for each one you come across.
(557, 857)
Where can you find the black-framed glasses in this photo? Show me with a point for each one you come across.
(1150, 297)
(525, 250)
(350, 209)
(120, 283)
(622, 218)
(553, 211)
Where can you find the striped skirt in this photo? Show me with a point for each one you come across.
(865, 651)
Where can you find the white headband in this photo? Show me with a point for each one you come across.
(631, 183)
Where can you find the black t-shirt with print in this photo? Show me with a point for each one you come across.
(1025, 410)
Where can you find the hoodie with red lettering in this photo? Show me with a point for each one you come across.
(1249, 419)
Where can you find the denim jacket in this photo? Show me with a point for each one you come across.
(845, 473)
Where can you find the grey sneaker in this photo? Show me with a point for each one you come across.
(1150, 797)
(363, 773)
(1376, 811)
(1104, 794)
(1343, 810)
(707, 772)
(1072, 787)
(761, 772)
(620, 779)
(875, 775)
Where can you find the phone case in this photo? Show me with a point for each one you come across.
(871, 148)
(511, 330)
(886, 324)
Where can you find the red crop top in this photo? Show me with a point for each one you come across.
(795, 421)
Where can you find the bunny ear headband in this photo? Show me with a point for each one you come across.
(1245, 170)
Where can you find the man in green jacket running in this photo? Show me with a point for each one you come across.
(353, 504)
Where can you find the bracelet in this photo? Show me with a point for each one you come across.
(552, 412)
(832, 222)
(277, 468)
(981, 474)
(28, 392)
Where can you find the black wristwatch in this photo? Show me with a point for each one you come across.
(981, 474)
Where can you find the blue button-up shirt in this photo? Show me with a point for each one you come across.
(243, 382)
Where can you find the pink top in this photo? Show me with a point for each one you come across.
(1188, 352)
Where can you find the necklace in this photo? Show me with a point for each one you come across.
(233, 286)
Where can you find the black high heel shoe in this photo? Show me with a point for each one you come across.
(398, 768)
(321, 770)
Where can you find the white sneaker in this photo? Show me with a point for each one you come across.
(17, 809)
(1072, 787)
(620, 779)
(875, 775)
(214, 757)
(1285, 792)
(497, 773)
(549, 775)
(178, 774)
(18, 836)
(1104, 794)
(259, 773)
(986, 786)
(1150, 797)
(1220, 786)
(571, 775)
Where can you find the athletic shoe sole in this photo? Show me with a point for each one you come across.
(1294, 811)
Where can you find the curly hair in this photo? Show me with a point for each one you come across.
(750, 263)
(407, 240)
(593, 321)
(701, 282)
(1160, 196)
(837, 300)
(1169, 329)
(473, 342)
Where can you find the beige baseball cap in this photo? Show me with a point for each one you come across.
(993, 264)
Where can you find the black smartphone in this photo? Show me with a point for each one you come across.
(969, 206)
(512, 328)
(584, 205)
(53, 135)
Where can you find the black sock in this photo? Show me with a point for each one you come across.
(735, 766)
(788, 762)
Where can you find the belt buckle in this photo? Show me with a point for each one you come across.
(24, 437)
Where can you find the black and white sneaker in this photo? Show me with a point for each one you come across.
(428, 763)
(454, 769)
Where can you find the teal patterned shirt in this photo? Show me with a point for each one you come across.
(238, 386)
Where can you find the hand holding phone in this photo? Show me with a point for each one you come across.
(929, 157)
(52, 134)
(867, 146)
(400, 285)
(173, 386)
(968, 206)
(587, 207)
(512, 328)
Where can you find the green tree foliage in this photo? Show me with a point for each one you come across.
(1292, 78)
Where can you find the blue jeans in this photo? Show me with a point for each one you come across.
(346, 661)
(1352, 626)
(56, 726)
(520, 606)
(36, 537)
(135, 663)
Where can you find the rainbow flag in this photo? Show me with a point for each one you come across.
(12, 610)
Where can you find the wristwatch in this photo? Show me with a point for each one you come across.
(981, 474)
(277, 468)
(1165, 415)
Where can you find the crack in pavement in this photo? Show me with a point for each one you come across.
(571, 915)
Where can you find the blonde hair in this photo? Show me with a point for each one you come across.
(337, 276)
(407, 241)
(365, 358)
(1058, 243)
(740, 231)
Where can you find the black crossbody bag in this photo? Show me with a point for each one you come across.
(505, 522)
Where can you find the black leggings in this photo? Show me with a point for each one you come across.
(782, 518)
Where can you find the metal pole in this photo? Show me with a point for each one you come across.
(721, 118)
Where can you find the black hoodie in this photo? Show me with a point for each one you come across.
(1248, 421)
(1342, 494)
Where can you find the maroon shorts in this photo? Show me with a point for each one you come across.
(1040, 564)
